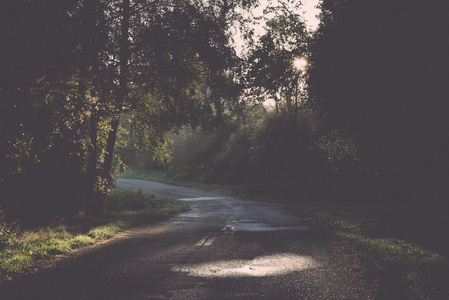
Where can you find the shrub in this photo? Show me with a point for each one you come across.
(7, 231)
(119, 200)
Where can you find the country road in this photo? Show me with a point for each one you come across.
(223, 248)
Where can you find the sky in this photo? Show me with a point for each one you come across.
(311, 13)
(308, 11)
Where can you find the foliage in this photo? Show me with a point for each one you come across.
(342, 153)
(126, 200)
(40, 113)
(379, 75)
(183, 76)
(261, 150)
(71, 69)
(271, 74)
(7, 231)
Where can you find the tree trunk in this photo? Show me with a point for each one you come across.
(295, 109)
(121, 99)
(89, 204)
(90, 61)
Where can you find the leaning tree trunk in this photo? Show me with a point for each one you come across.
(89, 202)
(89, 60)
(121, 99)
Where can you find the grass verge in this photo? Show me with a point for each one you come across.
(163, 177)
(405, 270)
(19, 250)
(229, 190)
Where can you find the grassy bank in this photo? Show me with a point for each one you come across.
(164, 177)
(20, 249)
(405, 270)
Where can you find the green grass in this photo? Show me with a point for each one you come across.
(19, 250)
(164, 177)
(408, 269)
(420, 273)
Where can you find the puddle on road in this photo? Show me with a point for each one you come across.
(277, 264)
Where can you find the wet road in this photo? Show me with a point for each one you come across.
(223, 248)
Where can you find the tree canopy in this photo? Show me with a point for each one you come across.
(271, 72)
(71, 68)
(379, 70)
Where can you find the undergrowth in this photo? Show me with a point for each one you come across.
(20, 249)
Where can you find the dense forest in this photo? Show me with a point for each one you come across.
(357, 110)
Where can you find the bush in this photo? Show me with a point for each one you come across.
(7, 231)
(119, 200)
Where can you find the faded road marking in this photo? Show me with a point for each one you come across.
(207, 241)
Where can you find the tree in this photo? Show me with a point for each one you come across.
(40, 112)
(71, 69)
(174, 58)
(378, 70)
(272, 72)
(181, 71)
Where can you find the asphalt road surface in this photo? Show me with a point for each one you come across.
(223, 248)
